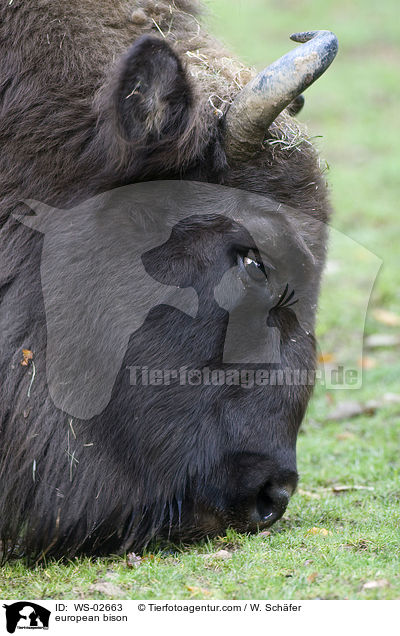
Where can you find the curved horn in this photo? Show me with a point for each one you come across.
(254, 109)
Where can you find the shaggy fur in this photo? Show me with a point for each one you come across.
(95, 94)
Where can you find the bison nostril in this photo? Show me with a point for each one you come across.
(264, 506)
(271, 503)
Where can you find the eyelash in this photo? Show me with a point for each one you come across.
(286, 300)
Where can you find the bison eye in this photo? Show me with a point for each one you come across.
(252, 263)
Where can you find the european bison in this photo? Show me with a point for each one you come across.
(97, 95)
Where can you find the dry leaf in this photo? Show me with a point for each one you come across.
(345, 436)
(339, 489)
(386, 317)
(311, 577)
(373, 585)
(382, 340)
(264, 533)
(325, 358)
(391, 398)
(367, 363)
(321, 531)
(108, 589)
(27, 355)
(329, 398)
(198, 590)
(307, 493)
(221, 555)
(347, 410)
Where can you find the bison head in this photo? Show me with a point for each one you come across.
(173, 328)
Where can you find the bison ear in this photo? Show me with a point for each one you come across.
(152, 95)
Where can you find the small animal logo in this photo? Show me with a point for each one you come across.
(26, 615)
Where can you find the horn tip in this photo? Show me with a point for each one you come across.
(302, 36)
(328, 38)
(305, 36)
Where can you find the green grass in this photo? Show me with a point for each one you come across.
(355, 106)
